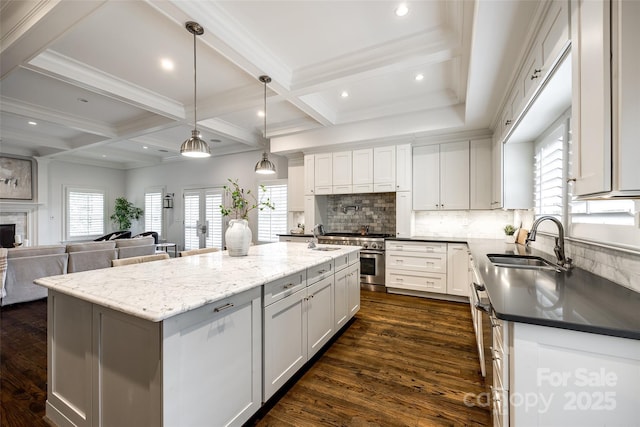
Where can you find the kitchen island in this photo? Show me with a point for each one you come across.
(179, 341)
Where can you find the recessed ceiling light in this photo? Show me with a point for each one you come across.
(32, 123)
(402, 10)
(419, 77)
(104, 155)
(145, 147)
(344, 94)
(166, 64)
(260, 113)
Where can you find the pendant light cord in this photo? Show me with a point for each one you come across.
(195, 86)
(265, 116)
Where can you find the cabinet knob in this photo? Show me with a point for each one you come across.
(571, 180)
(507, 123)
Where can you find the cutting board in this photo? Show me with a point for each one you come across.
(522, 236)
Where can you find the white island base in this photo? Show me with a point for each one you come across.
(120, 370)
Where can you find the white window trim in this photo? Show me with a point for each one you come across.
(65, 223)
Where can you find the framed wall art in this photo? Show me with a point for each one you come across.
(16, 178)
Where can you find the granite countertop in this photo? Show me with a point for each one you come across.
(577, 299)
(161, 289)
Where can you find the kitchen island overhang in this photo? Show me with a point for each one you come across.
(174, 342)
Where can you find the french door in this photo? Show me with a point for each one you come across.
(203, 224)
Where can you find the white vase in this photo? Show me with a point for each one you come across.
(238, 237)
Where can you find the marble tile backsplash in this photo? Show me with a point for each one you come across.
(348, 212)
(487, 224)
(619, 266)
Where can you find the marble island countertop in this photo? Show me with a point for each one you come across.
(161, 289)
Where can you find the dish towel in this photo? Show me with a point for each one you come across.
(3, 270)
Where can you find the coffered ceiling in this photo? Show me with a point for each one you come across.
(89, 74)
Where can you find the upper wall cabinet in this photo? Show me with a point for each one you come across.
(362, 170)
(549, 44)
(441, 176)
(295, 188)
(606, 89)
(323, 173)
(342, 172)
(309, 175)
(403, 167)
(384, 169)
(481, 174)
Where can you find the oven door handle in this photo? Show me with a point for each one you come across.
(370, 252)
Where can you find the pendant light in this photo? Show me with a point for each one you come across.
(265, 166)
(195, 146)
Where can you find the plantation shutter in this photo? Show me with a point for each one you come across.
(85, 213)
(273, 222)
(213, 200)
(548, 178)
(153, 212)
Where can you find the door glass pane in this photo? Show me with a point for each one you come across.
(214, 219)
(191, 218)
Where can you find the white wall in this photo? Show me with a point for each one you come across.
(61, 174)
(198, 173)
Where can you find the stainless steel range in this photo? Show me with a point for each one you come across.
(371, 256)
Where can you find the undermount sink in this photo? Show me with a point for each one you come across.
(325, 248)
(522, 261)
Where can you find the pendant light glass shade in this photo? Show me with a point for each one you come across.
(265, 166)
(195, 146)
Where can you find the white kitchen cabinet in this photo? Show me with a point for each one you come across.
(517, 185)
(353, 287)
(496, 163)
(415, 268)
(309, 175)
(323, 173)
(605, 92)
(320, 316)
(362, 170)
(160, 365)
(403, 167)
(295, 188)
(458, 269)
(384, 169)
(441, 177)
(481, 174)
(310, 216)
(404, 214)
(342, 175)
(341, 304)
(571, 377)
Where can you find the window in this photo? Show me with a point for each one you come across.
(272, 222)
(549, 175)
(85, 215)
(153, 211)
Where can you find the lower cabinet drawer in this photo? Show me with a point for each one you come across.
(284, 287)
(427, 282)
(433, 263)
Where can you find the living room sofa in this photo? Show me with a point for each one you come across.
(24, 265)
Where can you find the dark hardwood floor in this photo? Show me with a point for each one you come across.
(403, 361)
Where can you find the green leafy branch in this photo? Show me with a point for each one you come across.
(242, 202)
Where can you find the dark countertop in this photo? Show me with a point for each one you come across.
(576, 300)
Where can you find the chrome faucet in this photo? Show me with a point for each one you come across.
(314, 241)
(563, 261)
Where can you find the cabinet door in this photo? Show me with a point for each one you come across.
(341, 304)
(454, 175)
(384, 168)
(481, 174)
(285, 340)
(404, 214)
(554, 34)
(363, 167)
(320, 318)
(196, 391)
(295, 188)
(458, 269)
(532, 73)
(310, 212)
(342, 168)
(496, 165)
(323, 173)
(591, 102)
(403, 167)
(518, 175)
(353, 288)
(426, 178)
(309, 174)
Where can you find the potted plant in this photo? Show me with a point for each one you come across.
(238, 235)
(124, 212)
(509, 231)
